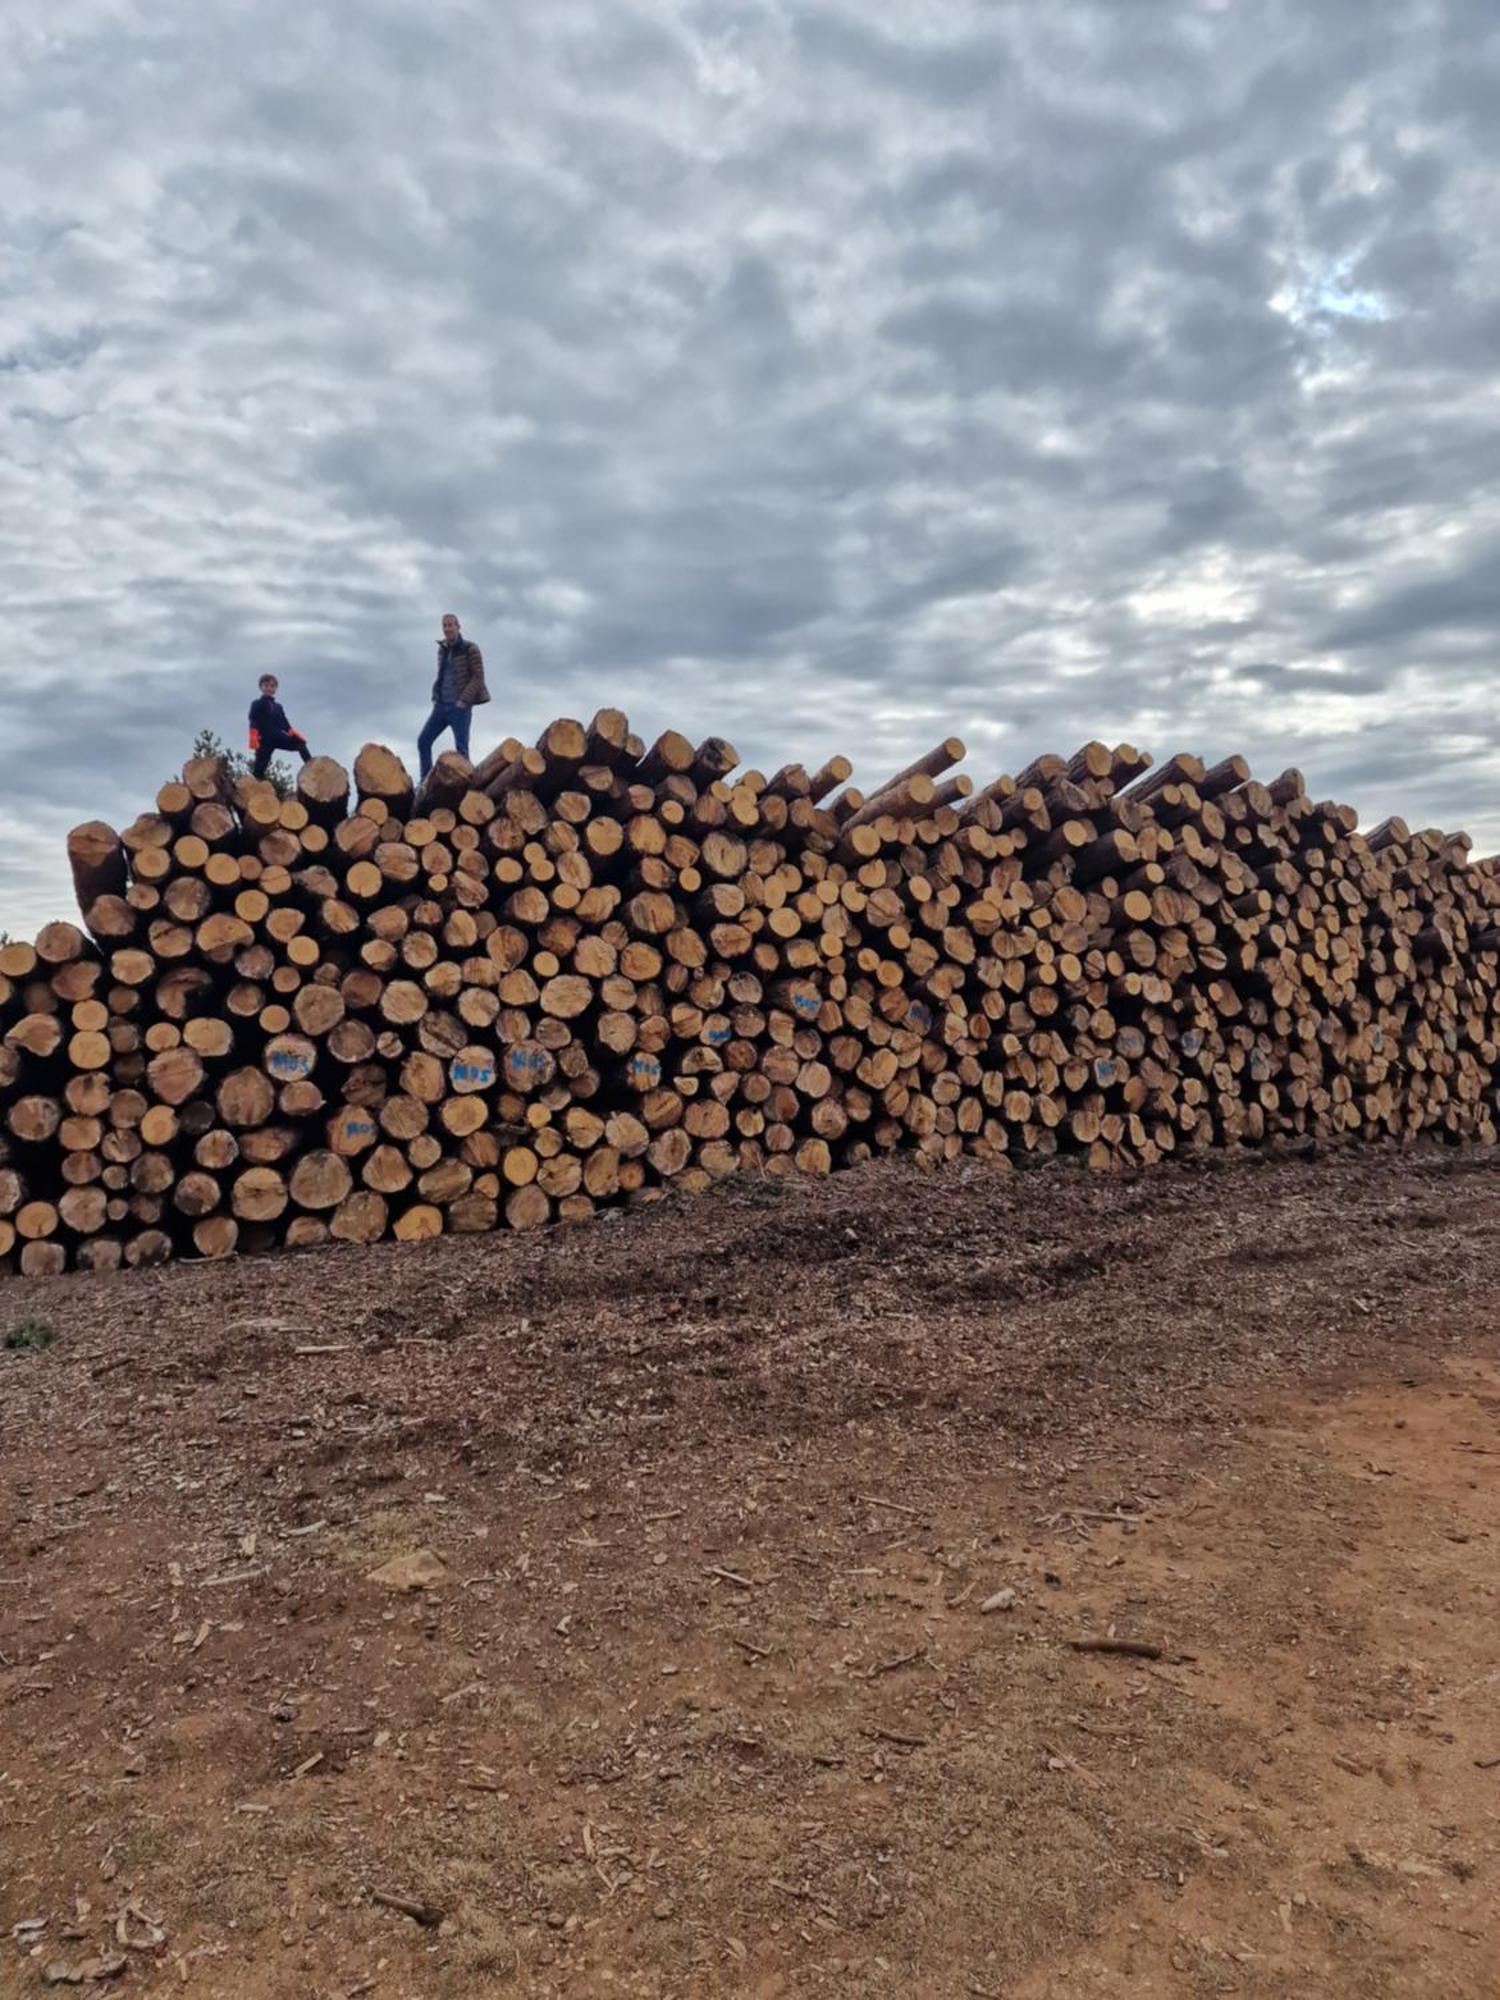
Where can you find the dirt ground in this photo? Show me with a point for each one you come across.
(768, 1526)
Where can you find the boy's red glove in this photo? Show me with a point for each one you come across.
(255, 739)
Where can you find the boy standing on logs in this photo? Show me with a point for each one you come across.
(456, 693)
(269, 729)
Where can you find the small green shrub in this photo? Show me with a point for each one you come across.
(30, 1337)
(238, 765)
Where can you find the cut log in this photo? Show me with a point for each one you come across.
(176, 1075)
(379, 774)
(362, 1217)
(323, 789)
(947, 753)
(606, 740)
(60, 944)
(259, 1194)
(446, 783)
(670, 755)
(321, 1180)
(216, 1236)
(97, 861)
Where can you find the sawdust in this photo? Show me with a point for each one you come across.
(708, 1699)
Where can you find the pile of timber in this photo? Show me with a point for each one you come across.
(591, 970)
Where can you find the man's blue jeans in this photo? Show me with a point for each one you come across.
(445, 715)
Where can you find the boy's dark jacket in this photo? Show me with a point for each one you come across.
(267, 719)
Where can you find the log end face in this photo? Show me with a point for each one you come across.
(380, 774)
(323, 781)
(565, 739)
(92, 842)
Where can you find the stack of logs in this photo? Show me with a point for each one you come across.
(591, 970)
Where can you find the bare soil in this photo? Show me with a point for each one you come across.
(707, 1697)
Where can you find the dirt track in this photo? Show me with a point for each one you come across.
(707, 1701)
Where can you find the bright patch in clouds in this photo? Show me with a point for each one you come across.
(1329, 293)
(1215, 594)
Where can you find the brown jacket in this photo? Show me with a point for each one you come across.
(469, 690)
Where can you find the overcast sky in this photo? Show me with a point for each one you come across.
(823, 375)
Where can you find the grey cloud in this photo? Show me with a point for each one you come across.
(825, 378)
(954, 69)
(975, 345)
(1466, 599)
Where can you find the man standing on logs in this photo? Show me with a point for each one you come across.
(269, 729)
(457, 691)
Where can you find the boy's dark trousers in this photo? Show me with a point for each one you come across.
(267, 747)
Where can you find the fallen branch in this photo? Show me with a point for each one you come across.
(426, 1914)
(1130, 1649)
(892, 1666)
(759, 1652)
